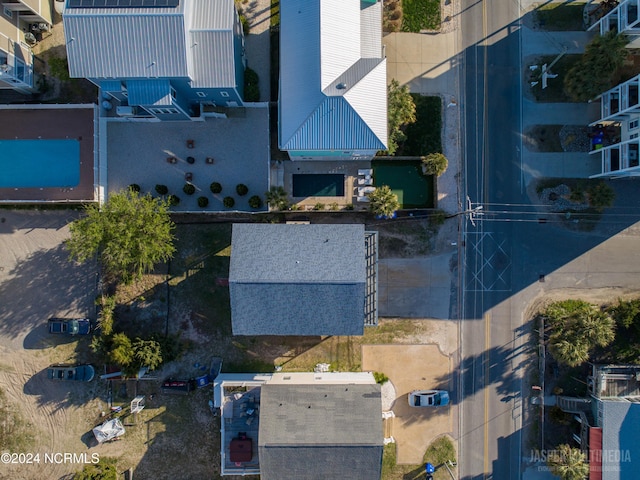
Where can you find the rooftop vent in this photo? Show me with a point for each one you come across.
(341, 86)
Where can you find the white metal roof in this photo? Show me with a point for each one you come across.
(194, 40)
(333, 92)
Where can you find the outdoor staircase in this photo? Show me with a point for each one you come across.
(574, 404)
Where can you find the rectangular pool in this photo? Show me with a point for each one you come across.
(405, 178)
(39, 163)
(318, 185)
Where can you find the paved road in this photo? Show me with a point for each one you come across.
(510, 256)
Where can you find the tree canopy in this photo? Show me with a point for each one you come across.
(277, 198)
(594, 74)
(401, 112)
(577, 327)
(130, 234)
(382, 201)
(568, 463)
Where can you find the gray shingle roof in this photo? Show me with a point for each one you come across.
(297, 279)
(620, 445)
(320, 432)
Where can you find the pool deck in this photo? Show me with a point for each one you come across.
(138, 152)
(33, 122)
(347, 168)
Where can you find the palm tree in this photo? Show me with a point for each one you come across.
(568, 463)
(277, 198)
(577, 328)
(383, 201)
(596, 70)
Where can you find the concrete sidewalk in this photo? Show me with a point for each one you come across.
(559, 113)
(541, 42)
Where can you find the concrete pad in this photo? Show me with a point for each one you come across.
(412, 367)
(424, 62)
(415, 288)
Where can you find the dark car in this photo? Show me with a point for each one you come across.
(70, 326)
(77, 373)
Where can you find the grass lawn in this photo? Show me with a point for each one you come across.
(440, 451)
(345, 353)
(420, 15)
(560, 16)
(555, 86)
(425, 135)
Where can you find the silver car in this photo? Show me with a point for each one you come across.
(429, 398)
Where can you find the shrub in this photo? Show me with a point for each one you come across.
(134, 187)
(173, 200)
(434, 164)
(162, 189)
(242, 189)
(189, 189)
(203, 202)
(601, 196)
(349, 206)
(333, 206)
(318, 206)
(215, 187)
(380, 377)
(245, 24)
(228, 202)
(255, 202)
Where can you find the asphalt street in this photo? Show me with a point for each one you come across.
(512, 252)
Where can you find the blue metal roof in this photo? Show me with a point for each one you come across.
(149, 92)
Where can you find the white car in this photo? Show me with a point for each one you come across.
(429, 398)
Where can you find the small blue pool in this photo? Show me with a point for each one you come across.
(318, 185)
(39, 163)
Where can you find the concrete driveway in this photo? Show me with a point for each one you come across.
(411, 367)
(415, 287)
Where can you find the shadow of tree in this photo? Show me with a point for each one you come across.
(45, 284)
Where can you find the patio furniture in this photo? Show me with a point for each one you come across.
(362, 191)
(191, 144)
(172, 160)
(365, 171)
(365, 181)
(188, 176)
(240, 449)
(209, 161)
(191, 160)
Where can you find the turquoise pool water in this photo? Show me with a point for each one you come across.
(39, 163)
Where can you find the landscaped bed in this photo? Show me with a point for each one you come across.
(425, 135)
(555, 86)
(560, 16)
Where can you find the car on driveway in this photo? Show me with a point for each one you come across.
(78, 373)
(70, 326)
(429, 398)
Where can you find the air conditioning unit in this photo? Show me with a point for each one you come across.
(125, 111)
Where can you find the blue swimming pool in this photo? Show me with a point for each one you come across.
(39, 163)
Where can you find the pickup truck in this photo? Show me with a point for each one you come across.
(70, 326)
(78, 373)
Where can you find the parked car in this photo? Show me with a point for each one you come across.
(70, 326)
(429, 398)
(78, 373)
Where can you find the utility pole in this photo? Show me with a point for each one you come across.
(471, 211)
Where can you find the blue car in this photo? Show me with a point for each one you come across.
(70, 326)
